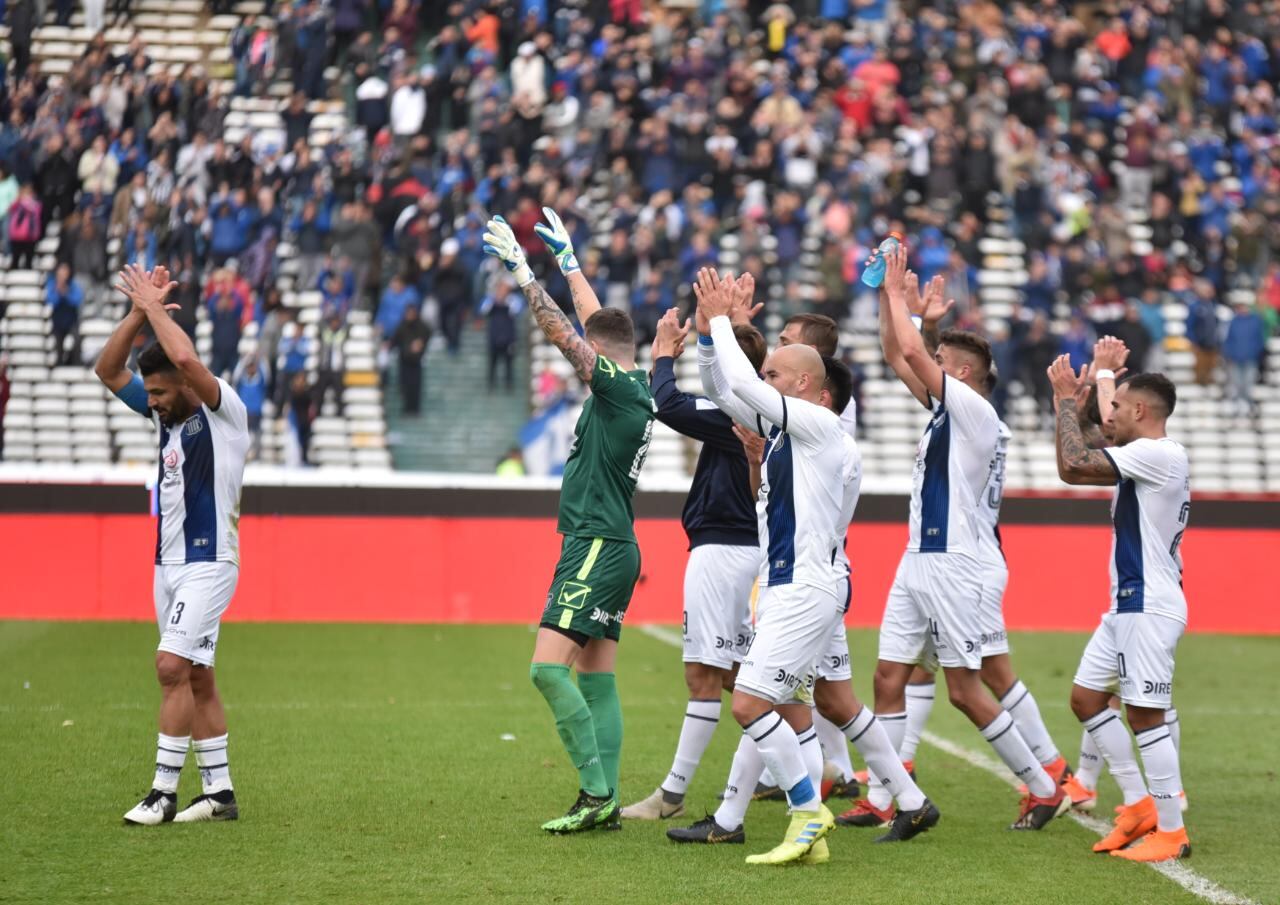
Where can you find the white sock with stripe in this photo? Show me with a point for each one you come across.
(835, 747)
(171, 754)
(743, 776)
(211, 759)
(866, 733)
(811, 754)
(1004, 737)
(895, 728)
(780, 751)
(1026, 714)
(701, 717)
(1112, 739)
(1090, 766)
(1175, 728)
(1164, 775)
(919, 705)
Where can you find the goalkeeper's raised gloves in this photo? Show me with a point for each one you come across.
(556, 238)
(500, 242)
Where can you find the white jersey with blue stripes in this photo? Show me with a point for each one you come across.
(990, 548)
(953, 463)
(1149, 512)
(802, 482)
(851, 481)
(198, 489)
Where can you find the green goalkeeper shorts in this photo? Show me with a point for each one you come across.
(592, 587)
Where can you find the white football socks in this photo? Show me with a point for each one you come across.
(894, 726)
(743, 776)
(1090, 766)
(1009, 744)
(780, 751)
(1026, 714)
(834, 746)
(1112, 739)
(171, 754)
(884, 766)
(919, 706)
(211, 759)
(1160, 758)
(700, 720)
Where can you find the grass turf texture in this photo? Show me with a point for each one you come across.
(369, 767)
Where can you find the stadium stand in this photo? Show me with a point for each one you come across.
(57, 411)
(1079, 159)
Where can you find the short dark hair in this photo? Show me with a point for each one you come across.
(970, 342)
(817, 330)
(751, 342)
(153, 360)
(1156, 385)
(612, 327)
(993, 377)
(839, 382)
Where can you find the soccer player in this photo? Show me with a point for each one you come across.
(935, 595)
(997, 668)
(719, 518)
(798, 514)
(1133, 649)
(599, 558)
(204, 440)
(1109, 357)
(829, 680)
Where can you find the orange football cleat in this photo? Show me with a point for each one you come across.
(864, 813)
(1132, 823)
(1157, 846)
(1082, 797)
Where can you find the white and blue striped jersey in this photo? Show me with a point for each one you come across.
(802, 487)
(1149, 512)
(851, 481)
(953, 463)
(990, 549)
(198, 488)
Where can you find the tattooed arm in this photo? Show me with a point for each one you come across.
(1077, 463)
(557, 328)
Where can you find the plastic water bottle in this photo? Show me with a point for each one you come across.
(873, 273)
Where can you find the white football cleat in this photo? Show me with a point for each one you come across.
(214, 806)
(157, 808)
(653, 808)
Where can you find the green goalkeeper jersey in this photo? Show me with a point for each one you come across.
(610, 441)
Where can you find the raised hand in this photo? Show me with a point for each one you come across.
(1064, 380)
(1110, 353)
(932, 307)
(147, 291)
(669, 341)
(715, 298)
(554, 235)
(743, 311)
(500, 242)
(895, 275)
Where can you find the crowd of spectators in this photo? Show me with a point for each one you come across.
(770, 122)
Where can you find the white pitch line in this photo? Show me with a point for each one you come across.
(1176, 871)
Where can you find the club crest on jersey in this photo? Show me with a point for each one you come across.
(172, 474)
(194, 426)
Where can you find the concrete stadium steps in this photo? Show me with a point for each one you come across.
(463, 427)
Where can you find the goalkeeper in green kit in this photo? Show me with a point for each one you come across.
(599, 559)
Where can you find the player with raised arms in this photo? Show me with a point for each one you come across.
(934, 601)
(599, 557)
(1132, 651)
(204, 440)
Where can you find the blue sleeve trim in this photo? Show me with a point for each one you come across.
(704, 339)
(134, 395)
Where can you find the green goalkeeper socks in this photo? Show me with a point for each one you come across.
(600, 690)
(574, 724)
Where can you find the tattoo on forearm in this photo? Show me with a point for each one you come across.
(1092, 435)
(557, 328)
(1074, 449)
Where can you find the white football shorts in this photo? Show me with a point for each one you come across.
(717, 603)
(794, 625)
(190, 601)
(833, 666)
(1131, 654)
(936, 599)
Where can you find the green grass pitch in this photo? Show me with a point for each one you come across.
(371, 766)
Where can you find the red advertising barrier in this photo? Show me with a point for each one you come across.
(494, 570)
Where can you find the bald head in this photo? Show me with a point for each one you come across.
(796, 371)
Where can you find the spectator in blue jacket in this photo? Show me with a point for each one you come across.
(1077, 342)
(227, 215)
(398, 296)
(1202, 331)
(65, 297)
(291, 360)
(1246, 341)
(251, 386)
